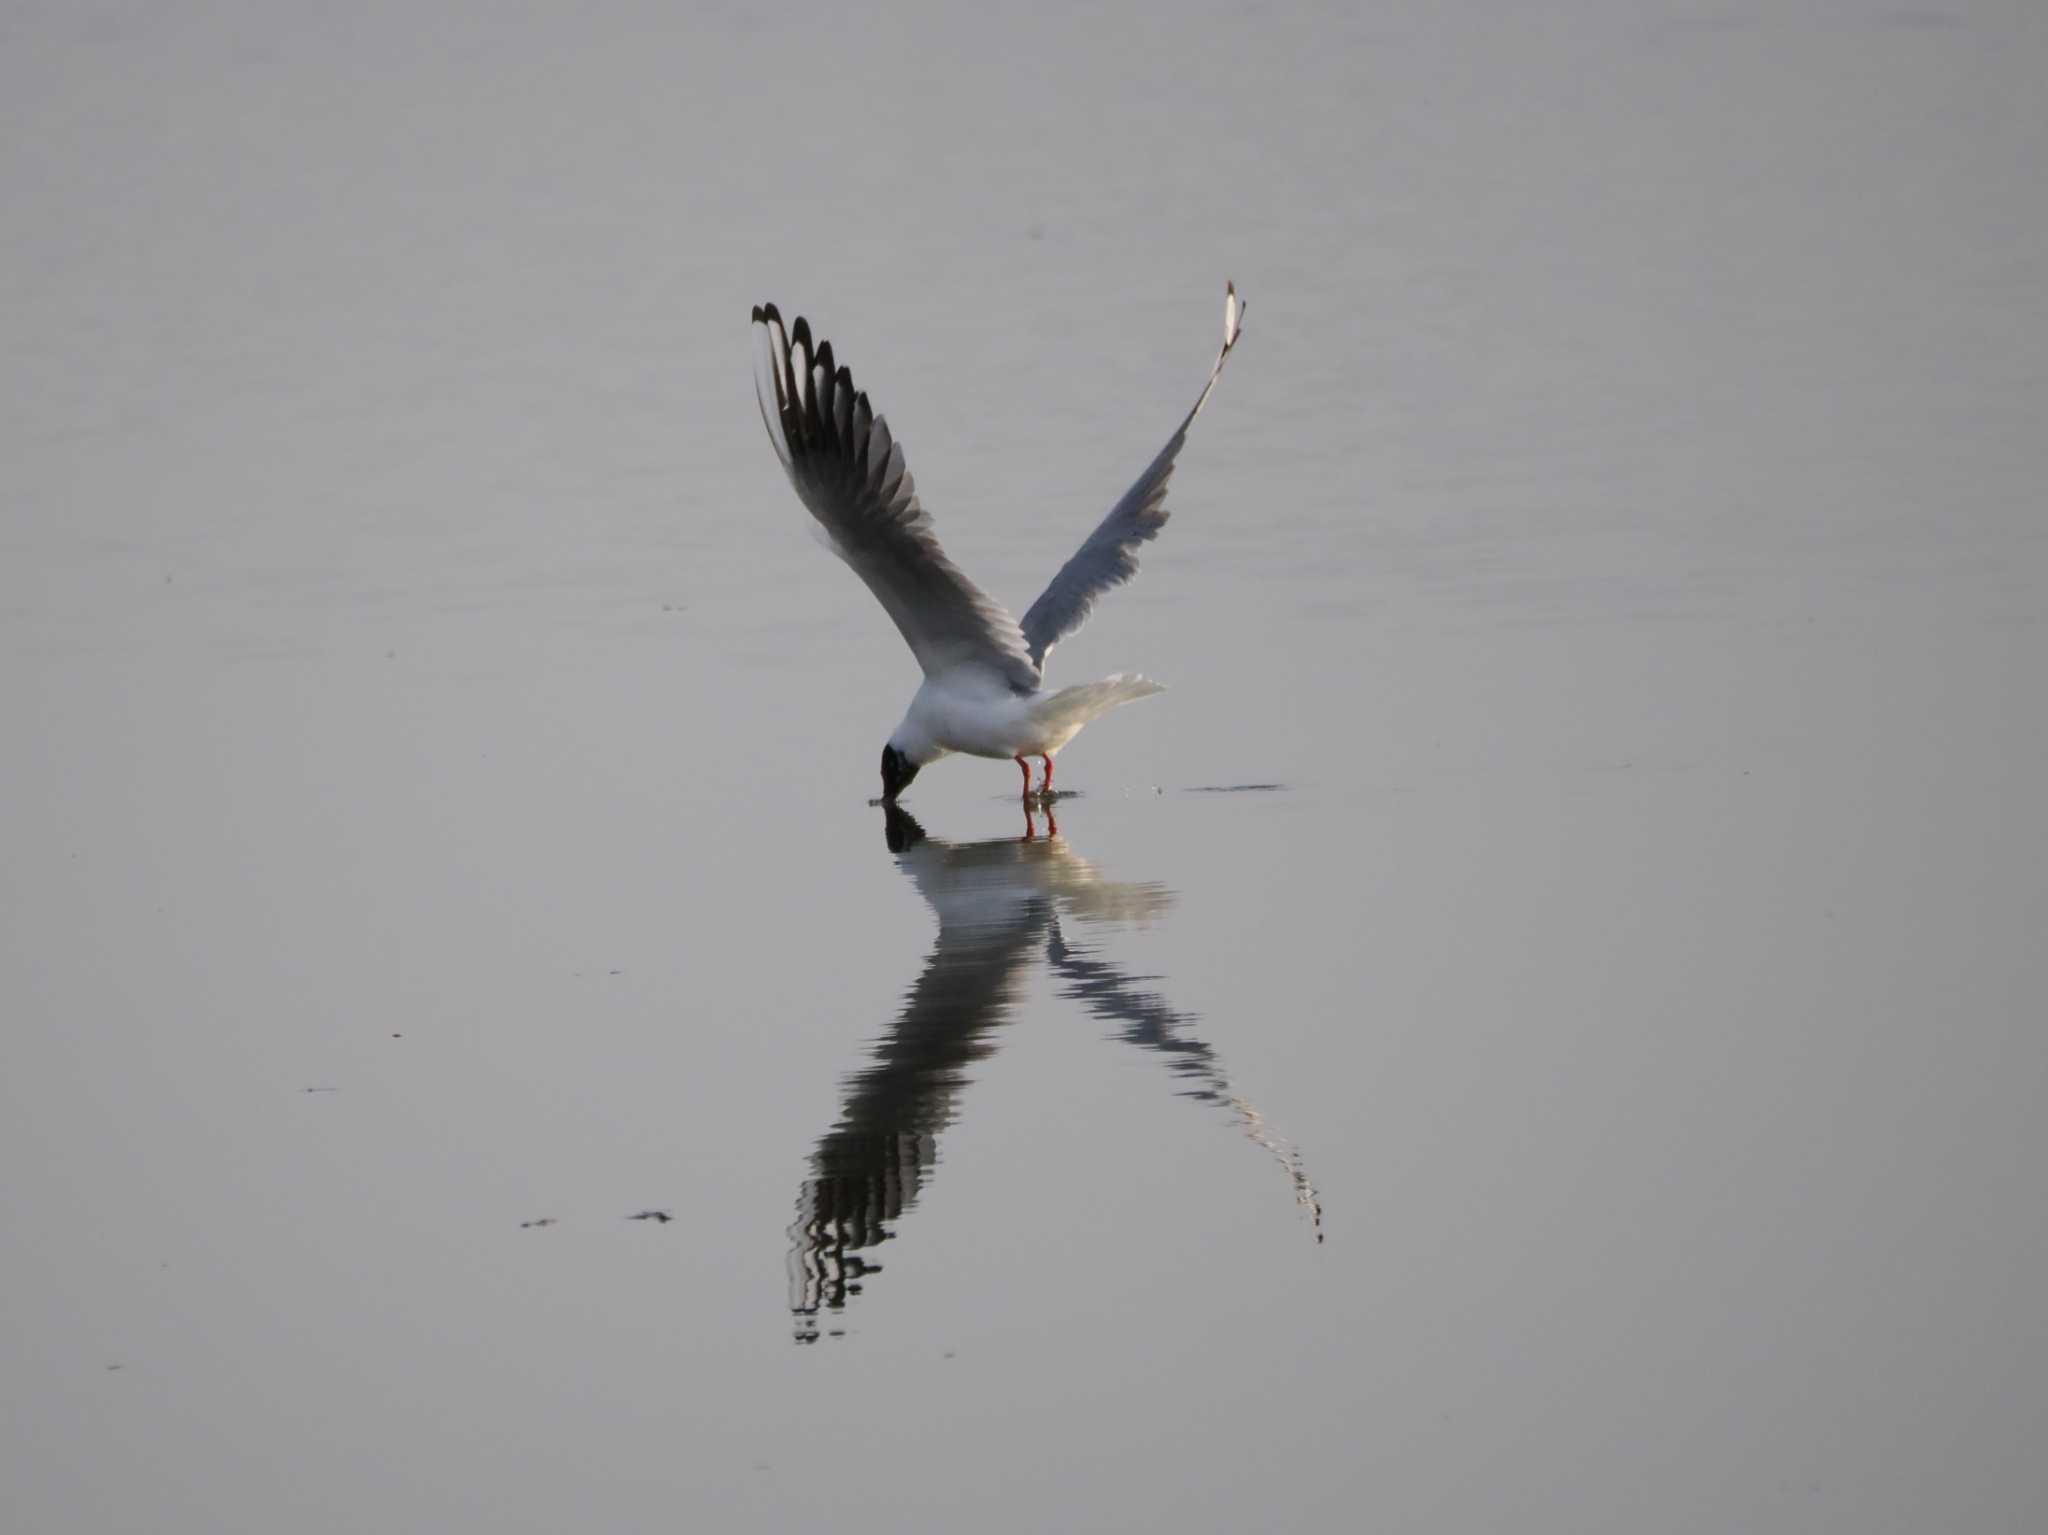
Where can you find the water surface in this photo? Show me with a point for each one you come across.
(435, 796)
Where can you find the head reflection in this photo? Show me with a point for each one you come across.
(999, 906)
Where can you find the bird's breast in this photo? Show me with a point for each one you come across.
(975, 716)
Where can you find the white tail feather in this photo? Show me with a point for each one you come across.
(1066, 711)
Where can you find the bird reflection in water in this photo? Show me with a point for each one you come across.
(999, 906)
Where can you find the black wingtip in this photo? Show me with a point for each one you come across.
(769, 313)
(800, 333)
(758, 315)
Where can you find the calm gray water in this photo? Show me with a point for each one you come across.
(1597, 1087)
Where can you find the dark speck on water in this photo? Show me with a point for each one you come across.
(652, 1215)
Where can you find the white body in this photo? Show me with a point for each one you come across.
(974, 710)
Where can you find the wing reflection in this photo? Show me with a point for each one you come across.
(999, 905)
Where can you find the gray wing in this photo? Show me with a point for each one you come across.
(851, 474)
(1109, 557)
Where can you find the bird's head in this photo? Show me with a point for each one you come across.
(897, 771)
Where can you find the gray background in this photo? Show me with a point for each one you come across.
(1620, 531)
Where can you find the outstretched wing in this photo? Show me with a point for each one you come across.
(1110, 556)
(851, 474)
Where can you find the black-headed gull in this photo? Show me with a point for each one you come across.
(983, 670)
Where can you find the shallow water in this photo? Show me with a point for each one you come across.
(1583, 1076)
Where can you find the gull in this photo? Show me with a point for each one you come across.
(983, 692)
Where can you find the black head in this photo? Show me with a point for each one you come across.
(897, 771)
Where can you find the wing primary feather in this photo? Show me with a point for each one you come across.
(820, 406)
(778, 345)
(842, 409)
(767, 389)
(823, 379)
(893, 471)
(863, 425)
(800, 376)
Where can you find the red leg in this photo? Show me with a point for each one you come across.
(1021, 763)
(1046, 758)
